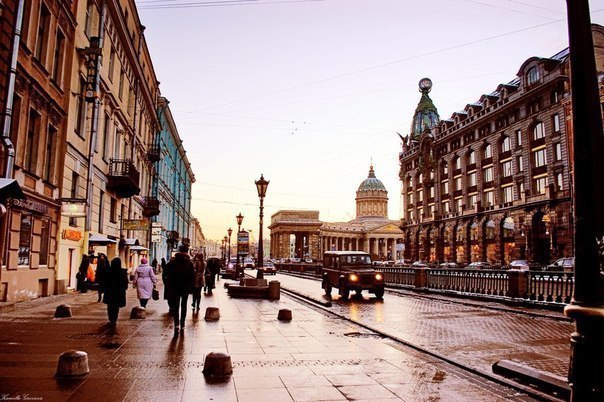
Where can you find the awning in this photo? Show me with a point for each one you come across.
(508, 225)
(131, 242)
(9, 188)
(138, 248)
(490, 224)
(99, 239)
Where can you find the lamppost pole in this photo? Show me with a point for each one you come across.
(261, 186)
(586, 377)
(239, 221)
(224, 242)
(230, 231)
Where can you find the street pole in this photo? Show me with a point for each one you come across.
(230, 231)
(586, 376)
(261, 186)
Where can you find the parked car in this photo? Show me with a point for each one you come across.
(248, 262)
(479, 265)
(420, 264)
(268, 268)
(566, 264)
(350, 271)
(449, 265)
(524, 265)
(308, 260)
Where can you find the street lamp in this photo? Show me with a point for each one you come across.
(261, 186)
(585, 374)
(239, 220)
(224, 242)
(230, 231)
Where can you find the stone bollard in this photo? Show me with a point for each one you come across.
(284, 315)
(217, 365)
(73, 363)
(274, 290)
(212, 314)
(138, 313)
(62, 311)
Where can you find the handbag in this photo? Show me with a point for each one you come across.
(155, 293)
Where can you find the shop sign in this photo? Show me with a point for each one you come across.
(156, 224)
(135, 224)
(155, 239)
(70, 234)
(73, 210)
(155, 231)
(31, 206)
(94, 53)
(243, 243)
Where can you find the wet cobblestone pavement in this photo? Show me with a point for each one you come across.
(310, 358)
(468, 332)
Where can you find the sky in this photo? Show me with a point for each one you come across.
(310, 93)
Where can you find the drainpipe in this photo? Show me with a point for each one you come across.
(8, 110)
(93, 133)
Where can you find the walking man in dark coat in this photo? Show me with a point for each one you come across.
(115, 284)
(180, 278)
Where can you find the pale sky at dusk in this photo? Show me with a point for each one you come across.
(309, 92)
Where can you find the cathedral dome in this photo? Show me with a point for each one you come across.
(371, 183)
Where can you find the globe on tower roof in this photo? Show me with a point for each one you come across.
(371, 183)
(426, 114)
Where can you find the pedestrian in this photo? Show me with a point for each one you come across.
(115, 285)
(144, 282)
(180, 278)
(81, 285)
(162, 266)
(102, 270)
(199, 282)
(167, 287)
(154, 265)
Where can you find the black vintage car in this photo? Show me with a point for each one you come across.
(350, 271)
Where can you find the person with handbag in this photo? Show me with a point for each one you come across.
(180, 278)
(199, 282)
(115, 285)
(144, 282)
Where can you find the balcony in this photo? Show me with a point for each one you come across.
(151, 207)
(153, 153)
(123, 178)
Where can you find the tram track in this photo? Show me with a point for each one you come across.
(325, 307)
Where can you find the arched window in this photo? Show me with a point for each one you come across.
(444, 168)
(471, 158)
(488, 151)
(456, 162)
(506, 144)
(532, 75)
(538, 131)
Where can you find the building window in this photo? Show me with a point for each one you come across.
(487, 174)
(75, 184)
(518, 138)
(489, 198)
(445, 168)
(50, 155)
(113, 210)
(506, 144)
(472, 200)
(446, 207)
(540, 183)
(431, 191)
(538, 131)
(445, 187)
(558, 151)
(471, 158)
(532, 75)
(44, 241)
(519, 164)
(101, 211)
(458, 204)
(420, 195)
(42, 38)
(559, 182)
(111, 64)
(539, 158)
(457, 162)
(16, 118)
(30, 159)
(506, 168)
(106, 136)
(121, 84)
(507, 194)
(25, 239)
(458, 183)
(488, 151)
(80, 125)
(57, 69)
(88, 26)
(556, 123)
(472, 179)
